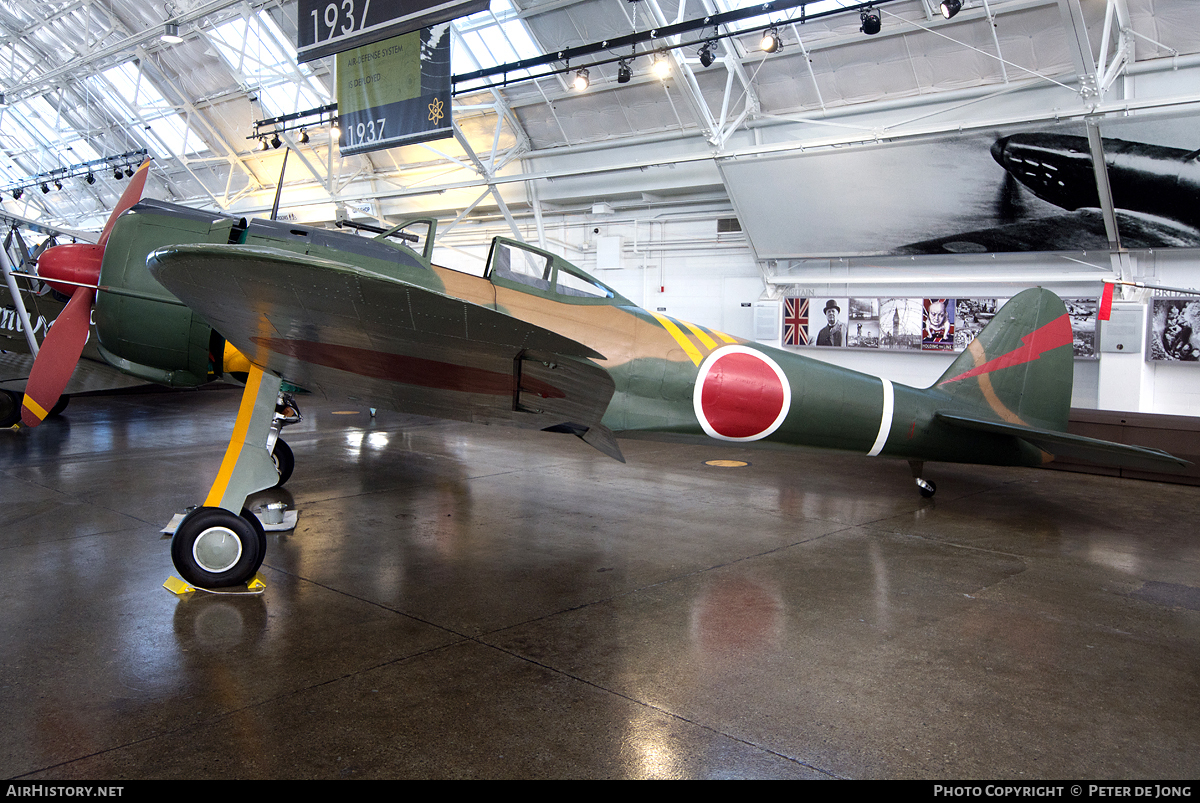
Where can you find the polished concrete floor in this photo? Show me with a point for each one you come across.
(472, 602)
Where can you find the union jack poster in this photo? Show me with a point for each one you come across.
(795, 322)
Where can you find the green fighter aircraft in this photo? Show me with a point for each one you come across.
(535, 342)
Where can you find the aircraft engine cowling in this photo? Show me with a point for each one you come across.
(143, 329)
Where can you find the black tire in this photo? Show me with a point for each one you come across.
(213, 548)
(928, 492)
(59, 406)
(10, 407)
(285, 461)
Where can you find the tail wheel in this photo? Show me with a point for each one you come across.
(285, 461)
(10, 408)
(59, 406)
(213, 548)
(927, 487)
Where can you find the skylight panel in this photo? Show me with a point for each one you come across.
(256, 49)
(791, 15)
(168, 131)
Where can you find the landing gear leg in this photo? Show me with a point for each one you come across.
(222, 544)
(926, 487)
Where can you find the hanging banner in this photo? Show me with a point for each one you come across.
(395, 92)
(325, 27)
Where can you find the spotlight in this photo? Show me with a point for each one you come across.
(770, 40)
(870, 21)
(171, 34)
(117, 173)
(662, 67)
(276, 141)
(581, 80)
(706, 54)
(90, 178)
(57, 184)
(303, 137)
(262, 143)
(45, 189)
(950, 7)
(17, 193)
(128, 171)
(335, 132)
(624, 74)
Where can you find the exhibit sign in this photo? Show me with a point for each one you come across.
(325, 27)
(395, 92)
(922, 324)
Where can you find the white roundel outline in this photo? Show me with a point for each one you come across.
(698, 392)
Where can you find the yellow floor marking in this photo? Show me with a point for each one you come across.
(726, 463)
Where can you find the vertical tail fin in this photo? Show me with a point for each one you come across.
(1021, 366)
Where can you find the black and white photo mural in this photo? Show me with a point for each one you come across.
(1003, 191)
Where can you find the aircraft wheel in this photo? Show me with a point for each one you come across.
(59, 405)
(285, 461)
(10, 408)
(213, 548)
(927, 488)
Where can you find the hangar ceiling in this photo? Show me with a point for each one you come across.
(84, 80)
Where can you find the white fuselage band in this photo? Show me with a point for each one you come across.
(885, 420)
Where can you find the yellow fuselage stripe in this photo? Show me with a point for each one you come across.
(688, 347)
(237, 440)
(35, 408)
(701, 335)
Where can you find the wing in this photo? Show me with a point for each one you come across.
(1063, 444)
(354, 334)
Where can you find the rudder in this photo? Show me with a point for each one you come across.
(1021, 366)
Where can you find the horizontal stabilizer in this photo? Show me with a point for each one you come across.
(1077, 447)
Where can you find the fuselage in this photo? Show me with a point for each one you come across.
(668, 377)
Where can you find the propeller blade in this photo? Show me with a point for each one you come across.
(132, 194)
(57, 357)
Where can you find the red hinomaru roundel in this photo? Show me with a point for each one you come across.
(740, 394)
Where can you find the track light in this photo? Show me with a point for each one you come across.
(770, 40)
(304, 136)
(706, 53)
(117, 173)
(57, 184)
(335, 132)
(45, 189)
(276, 141)
(17, 193)
(662, 67)
(950, 7)
(128, 171)
(870, 21)
(262, 143)
(90, 178)
(624, 73)
(171, 34)
(581, 80)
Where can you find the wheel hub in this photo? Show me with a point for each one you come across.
(217, 549)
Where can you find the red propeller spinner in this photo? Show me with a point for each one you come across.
(73, 269)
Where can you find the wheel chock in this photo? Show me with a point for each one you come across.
(180, 588)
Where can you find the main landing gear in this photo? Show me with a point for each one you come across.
(927, 488)
(222, 544)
